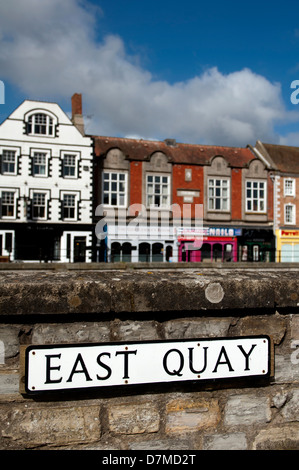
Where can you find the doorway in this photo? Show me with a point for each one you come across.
(79, 249)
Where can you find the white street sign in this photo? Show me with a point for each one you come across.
(81, 366)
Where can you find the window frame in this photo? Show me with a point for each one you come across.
(33, 126)
(14, 205)
(293, 214)
(160, 194)
(214, 198)
(45, 205)
(110, 192)
(286, 191)
(75, 206)
(252, 199)
(36, 153)
(75, 166)
(15, 162)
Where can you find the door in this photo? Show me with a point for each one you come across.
(79, 249)
(186, 252)
(169, 253)
(256, 253)
(206, 252)
(217, 252)
(115, 252)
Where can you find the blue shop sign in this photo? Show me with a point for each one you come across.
(223, 232)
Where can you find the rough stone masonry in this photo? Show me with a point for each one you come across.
(63, 305)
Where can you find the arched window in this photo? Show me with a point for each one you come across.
(144, 252)
(206, 252)
(228, 252)
(157, 253)
(169, 253)
(126, 252)
(217, 252)
(115, 252)
(40, 123)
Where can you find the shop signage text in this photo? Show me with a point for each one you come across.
(224, 232)
(194, 232)
(67, 367)
(290, 233)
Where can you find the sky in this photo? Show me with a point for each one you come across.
(201, 72)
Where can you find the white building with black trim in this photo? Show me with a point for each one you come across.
(46, 184)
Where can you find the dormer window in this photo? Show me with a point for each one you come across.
(40, 123)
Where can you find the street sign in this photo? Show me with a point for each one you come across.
(81, 366)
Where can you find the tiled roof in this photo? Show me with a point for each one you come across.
(141, 150)
(284, 158)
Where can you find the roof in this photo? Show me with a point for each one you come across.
(31, 105)
(191, 154)
(281, 157)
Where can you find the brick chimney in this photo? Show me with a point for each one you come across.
(77, 117)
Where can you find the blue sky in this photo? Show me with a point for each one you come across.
(215, 72)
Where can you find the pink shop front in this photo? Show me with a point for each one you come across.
(210, 245)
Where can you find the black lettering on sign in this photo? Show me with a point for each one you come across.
(80, 371)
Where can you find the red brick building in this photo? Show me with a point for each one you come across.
(181, 202)
(284, 164)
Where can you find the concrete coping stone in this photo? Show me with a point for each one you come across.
(147, 289)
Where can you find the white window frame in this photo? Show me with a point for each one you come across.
(76, 198)
(216, 187)
(9, 217)
(290, 217)
(33, 192)
(36, 153)
(109, 191)
(15, 161)
(74, 156)
(261, 201)
(289, 187)
(150, 190)
(41, 123)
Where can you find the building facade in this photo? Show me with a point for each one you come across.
(165, 201)
(69, 197)
(46, 184)
(284, 164)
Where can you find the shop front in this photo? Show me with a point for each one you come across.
(140, 244)
(49, 243)
(256, 245)
(209, 244)
(287, 248)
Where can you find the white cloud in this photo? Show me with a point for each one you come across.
(49, 49)
(291, 139)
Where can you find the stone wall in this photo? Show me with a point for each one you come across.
(66, 306)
